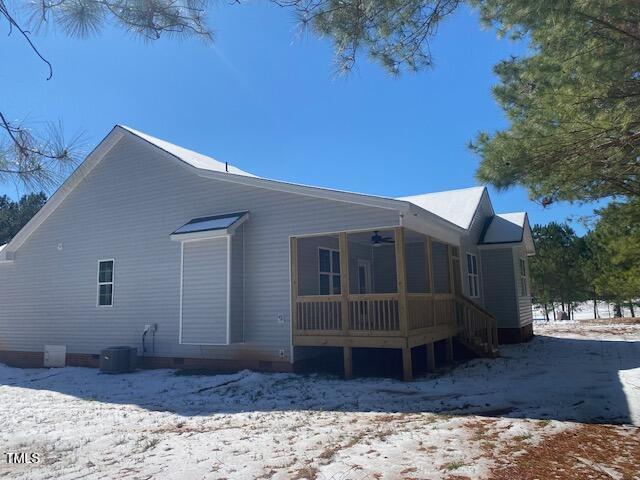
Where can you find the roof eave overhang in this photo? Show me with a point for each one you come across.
(428, 223)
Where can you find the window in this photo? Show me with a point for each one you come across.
(329, 271)
(472, 275)
(105, 283)
(524, 290)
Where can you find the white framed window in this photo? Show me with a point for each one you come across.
(329, 271)
(524, 286)
(472, 275)
(105, 283)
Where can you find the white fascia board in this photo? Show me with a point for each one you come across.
(65, 189)
(427, 223)
(206, 235)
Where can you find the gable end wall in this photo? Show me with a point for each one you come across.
(125, 209)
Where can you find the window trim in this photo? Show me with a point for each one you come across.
(331, 273)
(112, 282)
(524, 278)
(475, 277)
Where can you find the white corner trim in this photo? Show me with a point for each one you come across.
(194, 236)
(181, 287)
(228, 289)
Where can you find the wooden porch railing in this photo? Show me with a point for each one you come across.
(319, 314)
(374, 313)
(478, 328)
(367, 314)
(379, 314)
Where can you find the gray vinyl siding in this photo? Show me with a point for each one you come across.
(525, 312)
(125, 209)
(204, 292)
(499, 286)
(236, 333)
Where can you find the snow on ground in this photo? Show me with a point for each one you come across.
(463, 422)
(584, 311)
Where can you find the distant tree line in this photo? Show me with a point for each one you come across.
(15, 214)
(603, 265)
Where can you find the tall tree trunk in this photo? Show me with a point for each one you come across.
(595, 307)
(633, 313)
(553, 309)
(617, 310)
(546, 311)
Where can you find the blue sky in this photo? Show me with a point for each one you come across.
(264, 97)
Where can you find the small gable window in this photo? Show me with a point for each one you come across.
(472, 275)
(105, 283)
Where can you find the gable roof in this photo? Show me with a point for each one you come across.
(458, 206)
(194, 159)
(508, 228)
(444, 212)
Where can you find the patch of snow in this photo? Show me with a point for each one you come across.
(246, 425)
(584, 311)
(189, 156)
(456, 206)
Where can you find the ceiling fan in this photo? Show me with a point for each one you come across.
(377, 240)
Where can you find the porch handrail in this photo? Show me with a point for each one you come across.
(478, 327)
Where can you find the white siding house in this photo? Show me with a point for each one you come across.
(221, 292)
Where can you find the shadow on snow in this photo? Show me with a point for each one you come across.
(548, 378)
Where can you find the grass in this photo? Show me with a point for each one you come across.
(455, 465)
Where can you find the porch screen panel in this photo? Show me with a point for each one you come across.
(417, 267)
(204, 292)
(440, 256)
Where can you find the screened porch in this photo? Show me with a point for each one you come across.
(390, 288)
